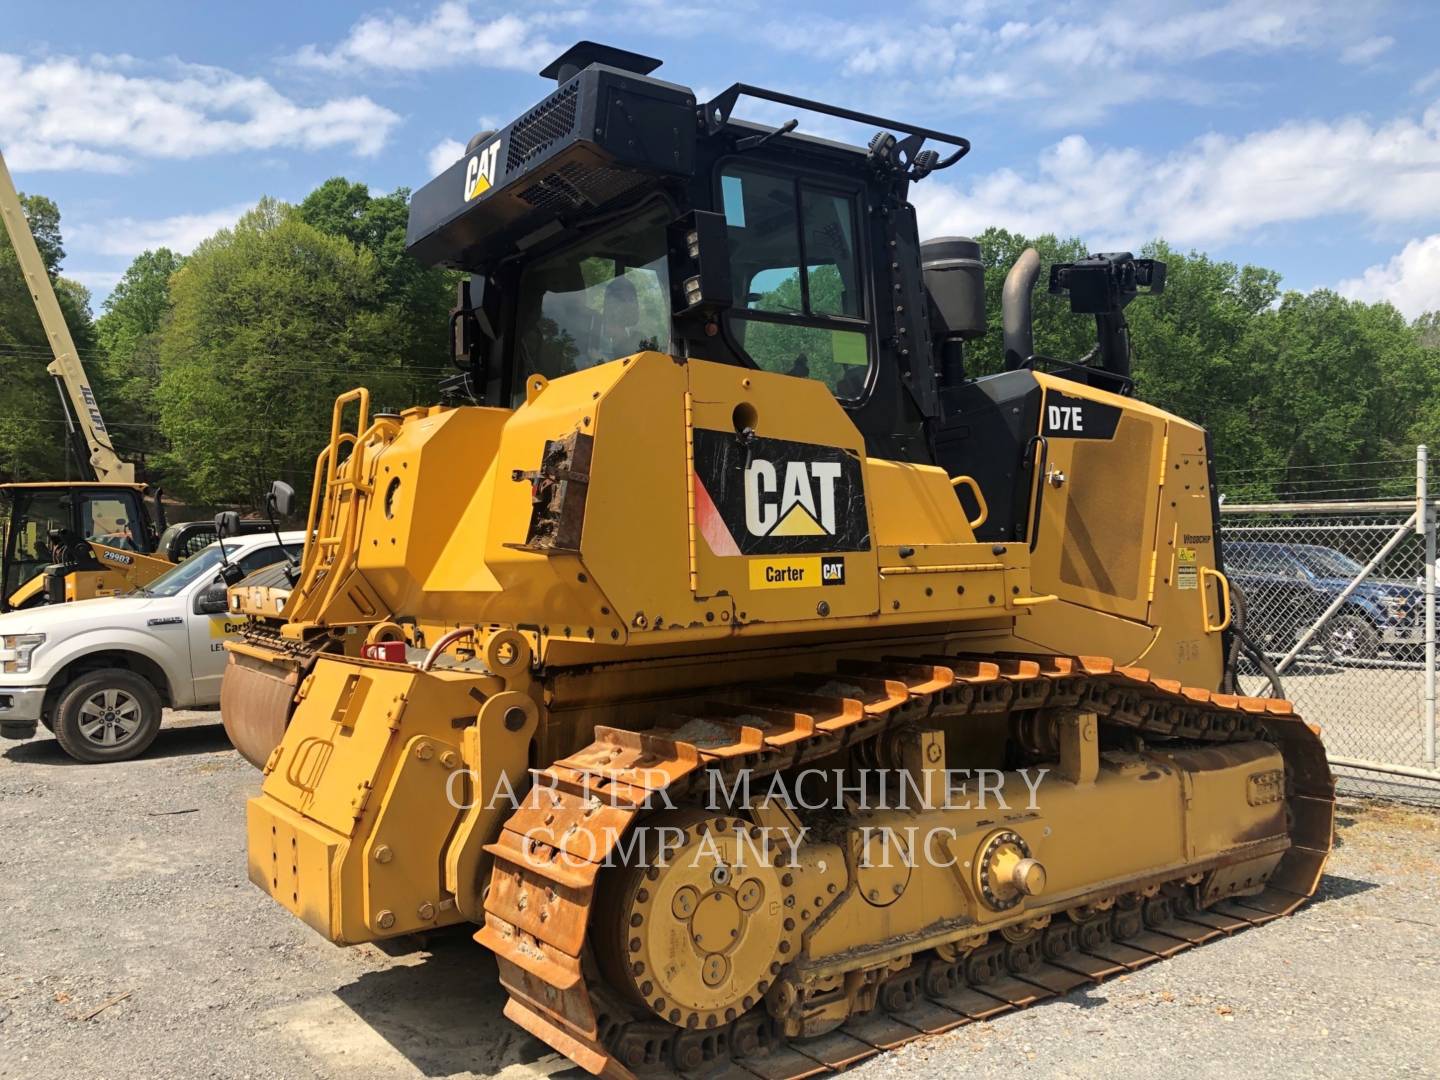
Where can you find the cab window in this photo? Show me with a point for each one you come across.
(799, 304)
(266, 556)
(35, 516)
(605, 297)
(108, 521)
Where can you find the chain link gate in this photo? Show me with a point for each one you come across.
(1340, 597)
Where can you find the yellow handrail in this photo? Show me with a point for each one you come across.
(969, 481)
(327, 534)
(1223, 595)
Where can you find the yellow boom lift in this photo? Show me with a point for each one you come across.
(70, 540)
(767, 690)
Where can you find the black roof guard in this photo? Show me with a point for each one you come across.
(716, 113)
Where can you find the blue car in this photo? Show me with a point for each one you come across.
(1288, 587)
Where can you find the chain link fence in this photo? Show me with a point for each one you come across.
(1339, 596)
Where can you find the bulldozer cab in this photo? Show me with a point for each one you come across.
(48, 523)
(621, 215)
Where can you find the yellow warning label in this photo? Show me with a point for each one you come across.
(1187, 572)
(794, 573)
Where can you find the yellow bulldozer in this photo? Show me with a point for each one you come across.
(767, 690)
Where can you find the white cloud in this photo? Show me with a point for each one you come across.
(1426, 83)
(29, 155)
(444, 154)
(1367, 51)
(1068, 64)
(451, 34)
(1410, 280)
(130, 236)
(1211, 191)
(97, 114)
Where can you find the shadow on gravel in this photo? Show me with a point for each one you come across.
(1333, 887)
(443, 1012)
(171, 742)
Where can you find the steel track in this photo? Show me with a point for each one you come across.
(541, 894)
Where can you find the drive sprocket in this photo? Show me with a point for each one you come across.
(699, 934)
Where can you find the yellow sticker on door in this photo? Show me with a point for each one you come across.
(225, 627)
(800, 572)
(1187, 570)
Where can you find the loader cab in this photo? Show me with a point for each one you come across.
(43, 523)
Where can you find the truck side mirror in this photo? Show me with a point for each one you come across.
(282, 498)
(227, 524)
(213, 599)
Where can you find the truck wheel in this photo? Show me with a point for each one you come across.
(1351, 637)
(107, 715)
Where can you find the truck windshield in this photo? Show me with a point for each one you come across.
(605, 297)
(1327, 562)
(175, 579)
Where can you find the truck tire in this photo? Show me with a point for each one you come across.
(107, 715)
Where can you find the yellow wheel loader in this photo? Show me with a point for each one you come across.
(767, 691)
(73, 540)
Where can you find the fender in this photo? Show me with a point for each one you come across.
(180, 686)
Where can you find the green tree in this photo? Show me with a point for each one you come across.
(1337, 383)
(129, 331)
(270, 321)
(1427, 328)
(422, 295)
(1058, 333)
(1190, 347)
(32, 429)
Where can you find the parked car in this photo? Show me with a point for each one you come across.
(1289, 586)
(98, 672)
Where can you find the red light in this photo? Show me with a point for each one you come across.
(387, 652)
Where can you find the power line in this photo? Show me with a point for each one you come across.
(1336, 465)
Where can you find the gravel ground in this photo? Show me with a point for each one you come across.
(1372, 712)
(124, 891)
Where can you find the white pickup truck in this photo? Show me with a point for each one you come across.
(98, 672)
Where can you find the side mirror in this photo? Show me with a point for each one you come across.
(471, 333)
(227, 524)
(213, 599)
(282, 498)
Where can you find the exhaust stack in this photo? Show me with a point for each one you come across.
(1015, 314)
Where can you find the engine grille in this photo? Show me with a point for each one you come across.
(533, 133)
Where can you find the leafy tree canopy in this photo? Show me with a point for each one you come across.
(32, 429)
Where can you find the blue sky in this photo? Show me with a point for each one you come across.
(1301, 136)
